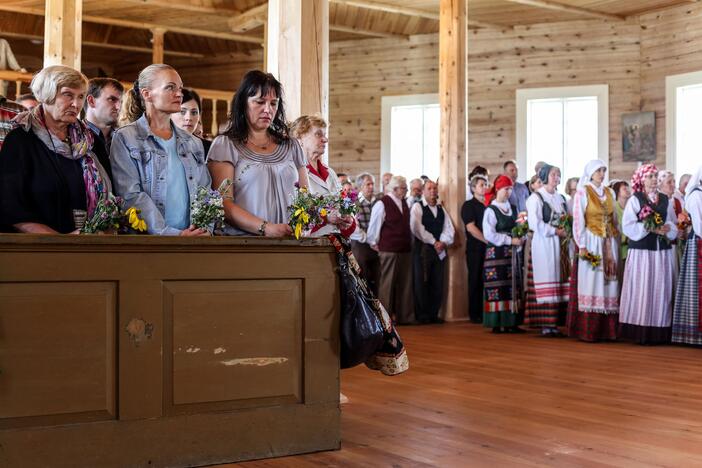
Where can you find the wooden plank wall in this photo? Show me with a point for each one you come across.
(499, 62)
(671, 44)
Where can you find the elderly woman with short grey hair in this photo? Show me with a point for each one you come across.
(50, 179)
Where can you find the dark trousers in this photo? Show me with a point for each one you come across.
(429, 283)
(475, 261)
(369, 262)
(395, 288)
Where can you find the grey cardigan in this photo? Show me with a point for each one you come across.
(139, 167)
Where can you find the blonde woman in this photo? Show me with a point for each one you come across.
(157, 166)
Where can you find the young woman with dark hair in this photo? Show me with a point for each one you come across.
(258, 155)
(189, 116)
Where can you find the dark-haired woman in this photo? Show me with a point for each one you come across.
(158, 167)
(189, 116)
(257, 153)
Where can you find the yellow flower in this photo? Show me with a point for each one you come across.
(298, 230)
(142, 226)
(305, 217)
(299, 210)
(323, 212)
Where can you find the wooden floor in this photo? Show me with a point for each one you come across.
(472, 398)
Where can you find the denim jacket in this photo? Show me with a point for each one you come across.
(139, 166)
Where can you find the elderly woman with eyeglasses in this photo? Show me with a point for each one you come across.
(50, 179)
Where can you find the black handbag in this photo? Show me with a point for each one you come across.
(361, 333)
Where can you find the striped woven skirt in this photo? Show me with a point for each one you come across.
(549, 314)
(501, 286)
(587, 326)
(686, 312)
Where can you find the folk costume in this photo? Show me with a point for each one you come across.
(548, 265)
(501, 272)
(594, 289)
(650, 274)
(687, 314)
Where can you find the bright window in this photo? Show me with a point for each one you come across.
(410, 135)
(684, 114)
(565, 127)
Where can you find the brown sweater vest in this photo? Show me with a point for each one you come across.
(395, 234)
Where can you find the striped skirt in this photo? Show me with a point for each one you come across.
(501, 278)
(686, 313)
(549, 314)
(646, 305)
(587, 326)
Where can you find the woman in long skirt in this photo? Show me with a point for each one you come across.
(548, 265)
(687, 315)
(501, 268)
(596, 292)
(649, 278)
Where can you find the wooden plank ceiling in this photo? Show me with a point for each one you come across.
(220, 28)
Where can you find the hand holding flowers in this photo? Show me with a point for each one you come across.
(207, 210)
(521, 229)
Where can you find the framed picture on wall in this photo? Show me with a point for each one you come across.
(639, 136)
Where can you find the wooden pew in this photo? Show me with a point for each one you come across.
(147, 351)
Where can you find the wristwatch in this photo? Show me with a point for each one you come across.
(262, 228)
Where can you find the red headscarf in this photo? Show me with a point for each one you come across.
(501, 182)
(637, 181)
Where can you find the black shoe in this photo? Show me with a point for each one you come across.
(497, 330)
(437, 320)
(515, 329)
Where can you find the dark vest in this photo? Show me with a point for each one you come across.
(652, 241)
(432, 224)
(546, 211)
(505, 223)
(395, 234)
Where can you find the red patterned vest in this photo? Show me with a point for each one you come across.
(395, 235)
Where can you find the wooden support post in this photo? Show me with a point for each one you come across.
(18, 89)
(157, 44)
(453, 101)
(62, 32)
(214, 128)
(298, 54)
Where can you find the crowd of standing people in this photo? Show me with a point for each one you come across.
(605, 260)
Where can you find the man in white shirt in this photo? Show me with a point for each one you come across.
(433, 233)
(389, 233)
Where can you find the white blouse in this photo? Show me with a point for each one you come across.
(490, 223)
(635, 230)
(693, 205)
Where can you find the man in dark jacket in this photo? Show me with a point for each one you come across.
(101, 112)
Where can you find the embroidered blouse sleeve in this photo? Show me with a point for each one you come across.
(579, 205)
(672, 220)
(489, 232)
(631, 226)
(535, 209)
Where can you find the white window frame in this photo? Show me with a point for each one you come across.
(525, 95)
(387, 103)
(672, 83)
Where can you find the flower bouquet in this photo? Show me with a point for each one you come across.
(207, 210)
(594, 260)
(306, 211)
(564, 222)
(132, 222)
(345, 202)
(651, 220)
(107, 215)
(522, 227)
(684, 221)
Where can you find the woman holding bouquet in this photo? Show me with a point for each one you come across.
(549, 263)
(311, 132)
(594, 303)
(687, 315)
(258, 155)
(501, 268)
(50, 179)
(158, 167)
(649, 222)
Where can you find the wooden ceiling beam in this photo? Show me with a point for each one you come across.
(250, 19)
(365, 32)
(379, 6)
(103, 45)
(140, 25)
(176, 5)
(555, 6)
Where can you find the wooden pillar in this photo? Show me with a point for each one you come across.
(214, 128)
(297, 50)
(157, 45)
(453, 100)
(62, 32)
